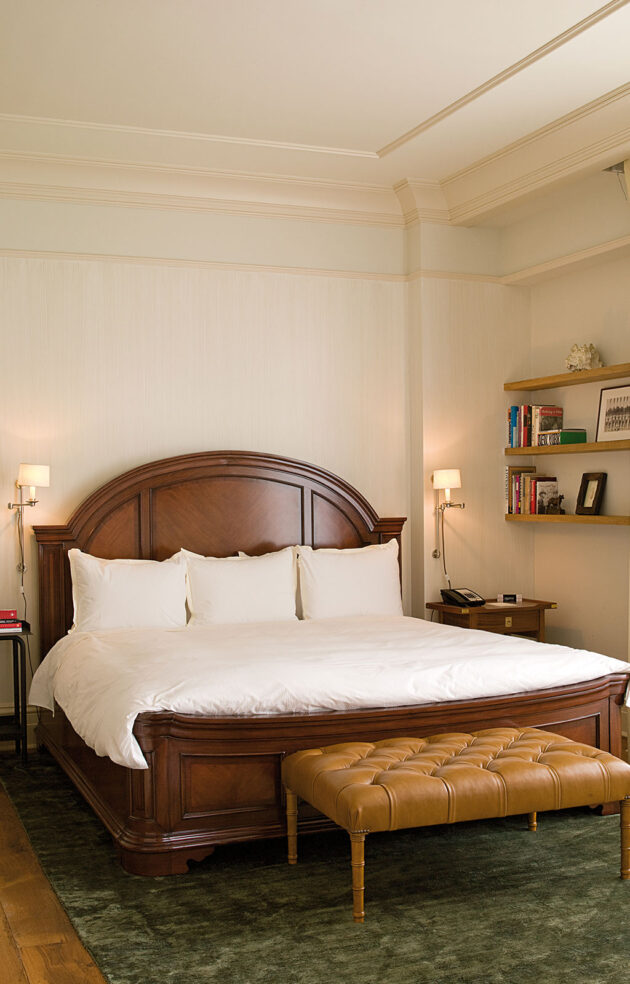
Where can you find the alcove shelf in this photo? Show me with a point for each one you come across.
(553, 518)
(620, 371)
(572, 448)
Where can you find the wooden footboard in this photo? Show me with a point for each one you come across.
(217, 780)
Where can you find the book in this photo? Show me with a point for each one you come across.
(514, 473)
(8, 613)
(513, 426)
(18, 625)
(544, 418)
(546, 490)
(550, 418)
(524, 425)
(527, 425)
(527, 481)
(533, 505)
(569, 435)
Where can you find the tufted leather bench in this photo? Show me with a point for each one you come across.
(417, 782)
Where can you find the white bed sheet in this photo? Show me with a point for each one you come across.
(103, 680)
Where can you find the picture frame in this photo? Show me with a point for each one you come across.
(613, 418)
(591, 492)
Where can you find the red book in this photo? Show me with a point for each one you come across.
(8, 613)
(17, 626)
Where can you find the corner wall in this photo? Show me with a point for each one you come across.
(474, 337)
(585, 568)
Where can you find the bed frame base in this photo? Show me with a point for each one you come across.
(214, 781)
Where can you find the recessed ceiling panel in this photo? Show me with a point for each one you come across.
(353, 74)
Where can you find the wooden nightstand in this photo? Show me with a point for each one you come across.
(524, 619)
(14, 725)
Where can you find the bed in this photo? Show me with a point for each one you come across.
(213, 779)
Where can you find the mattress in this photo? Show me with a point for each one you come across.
(103, 680)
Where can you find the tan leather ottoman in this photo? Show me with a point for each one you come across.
(417, 782)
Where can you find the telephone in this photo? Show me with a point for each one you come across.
(462, 597)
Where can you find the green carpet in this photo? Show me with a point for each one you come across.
(482, 903)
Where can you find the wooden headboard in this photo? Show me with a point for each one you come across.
(215, 503)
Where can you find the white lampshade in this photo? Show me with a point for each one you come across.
(447, 478)
(37, 476)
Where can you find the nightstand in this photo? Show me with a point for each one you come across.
(524, 619)
(14, 725)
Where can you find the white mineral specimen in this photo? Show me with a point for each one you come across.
(583, 357)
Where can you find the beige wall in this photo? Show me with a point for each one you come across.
(474, 337)
(177, 346)
(114, 364)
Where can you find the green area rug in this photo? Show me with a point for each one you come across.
(481, 903)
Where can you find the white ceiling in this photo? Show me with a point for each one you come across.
(317, 89)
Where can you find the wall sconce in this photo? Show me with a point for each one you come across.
(446, 479)
(33, 477)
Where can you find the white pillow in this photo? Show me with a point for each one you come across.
(241, 589)
(126, 594)
(361, 581)
(298, 601)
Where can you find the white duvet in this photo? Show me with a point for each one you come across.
(102, 680)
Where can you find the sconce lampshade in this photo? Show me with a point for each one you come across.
(447, 478)
(37, 476)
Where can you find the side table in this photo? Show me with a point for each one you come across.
(14, 725)
(527, 618)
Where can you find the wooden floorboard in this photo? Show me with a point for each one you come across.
(37, 942)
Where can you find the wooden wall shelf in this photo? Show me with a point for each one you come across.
(572, 448)
(620, 371)
(551, 518)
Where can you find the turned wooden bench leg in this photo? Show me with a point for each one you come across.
(532, 821)
(357, 848)
(292, 814)
(625, 838)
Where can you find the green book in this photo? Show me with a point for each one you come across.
(568, 435)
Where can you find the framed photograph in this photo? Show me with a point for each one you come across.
(589, 498)
(613, 419)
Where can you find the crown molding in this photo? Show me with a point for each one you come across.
(586, 159)
(93, 127)
(614, 249)
(47, 177)
(588, 138)
(582, 112)
(561, 39)
(421, 201)
(553, 154)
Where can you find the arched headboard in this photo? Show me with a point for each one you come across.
(215, 503)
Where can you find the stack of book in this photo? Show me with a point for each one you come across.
(530, 494)
(10, 623)
(568, 435)
(527, 423)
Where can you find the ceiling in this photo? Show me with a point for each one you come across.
(373, 92)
